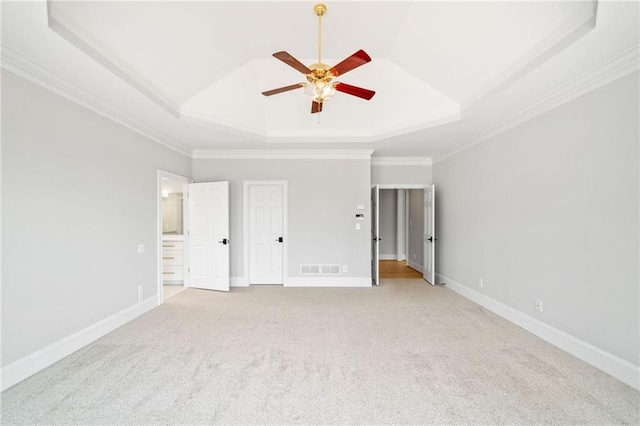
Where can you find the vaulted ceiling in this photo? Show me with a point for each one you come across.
(190, 74)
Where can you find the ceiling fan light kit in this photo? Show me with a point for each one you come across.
(320, 85)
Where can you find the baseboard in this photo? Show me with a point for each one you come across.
(416, 266)
(43, 358)
(238, 282)
(617, 367)
(328, 282)
(387, 257)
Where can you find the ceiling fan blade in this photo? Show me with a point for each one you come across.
(353, 61)
(292, 62)
(283, 89)
(316, 107)
(355, 91)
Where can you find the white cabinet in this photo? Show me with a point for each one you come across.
(172, 261)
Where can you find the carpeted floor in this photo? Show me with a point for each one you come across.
(404, 352)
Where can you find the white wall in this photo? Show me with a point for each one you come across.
(323, 195)
(549, 210)
(388, 209)
(416, 228)
(389, 175)
(79, 195)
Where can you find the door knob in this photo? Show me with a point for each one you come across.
(279, 240)
(224, 241)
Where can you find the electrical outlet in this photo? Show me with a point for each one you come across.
(538, 305)
(480, 283)
(344, 268)
(140, 294)
(414, 256)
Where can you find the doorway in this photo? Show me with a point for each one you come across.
(172, 223)
(405, 236)
(265, 231)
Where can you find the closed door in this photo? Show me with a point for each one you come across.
(209, 235)
(266, 236)
(429, 237)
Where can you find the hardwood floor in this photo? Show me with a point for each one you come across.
(395, 269)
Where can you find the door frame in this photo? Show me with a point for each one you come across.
(163, 174)
(422, 186)
(246, 258)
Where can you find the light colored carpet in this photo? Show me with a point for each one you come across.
(404, 352)
(168, 291)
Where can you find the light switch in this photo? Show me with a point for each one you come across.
(141, 248)
(360, 207)
(357, 226)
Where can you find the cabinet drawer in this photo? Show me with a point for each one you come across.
(173, 273)
(170, 257)
(172, 245)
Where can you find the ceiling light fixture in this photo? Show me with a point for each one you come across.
(320, 86)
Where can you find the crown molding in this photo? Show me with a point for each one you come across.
(26, 68)
(67, 28)
(283, 154)
(618, 67)
(401, 161)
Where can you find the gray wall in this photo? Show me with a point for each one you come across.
(79, 194)
(416, 228)
(323, 195)
(387, 175)
(388, 222)
(549, 210)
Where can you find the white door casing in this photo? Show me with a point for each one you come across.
(429, 237)
(375, 232)
(209, 235)
(266, 236)
(163, 175)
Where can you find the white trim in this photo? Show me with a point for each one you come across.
(66, 27)
(245, 226)
(329, 282)
(284, 154)
(403, 185)
(618, 67)
(238, 282)
(43, 358)
(559, 39)
(29, 70)
(387, 257)
(617, 367)
(401, 161)
(416, 266)
(163, 174)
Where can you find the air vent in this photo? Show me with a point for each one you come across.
(320, 269)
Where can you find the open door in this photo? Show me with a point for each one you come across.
(209, 235)
(375, 231)
(429, 237)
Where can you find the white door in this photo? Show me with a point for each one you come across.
(375, 231)
(266, 237)
(209, 235)
(429, 237)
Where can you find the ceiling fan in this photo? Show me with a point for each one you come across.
(320, 85)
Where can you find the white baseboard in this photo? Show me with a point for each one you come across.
(41, 359)
(416, 266)
(328, 282)
(617, 367)
(387, 257)
(238, 282)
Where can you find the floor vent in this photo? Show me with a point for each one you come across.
(320, 269)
